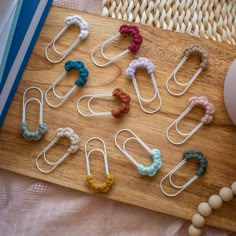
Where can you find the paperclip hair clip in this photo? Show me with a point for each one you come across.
(84, 31)
(117, 113)
(80, 82)
(149, 66)
(202, 161)
(90, 180)
(43, 127)
(155, 154)
(207, 119)
(134, 47)
(74, 147)
(194, 49)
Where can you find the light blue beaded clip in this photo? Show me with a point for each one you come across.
(43, 127)
(155, 154)
(80, 82)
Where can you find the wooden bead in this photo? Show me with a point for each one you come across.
(233, 187)
(226, 194)
(193, 231)
(198, 220)
(204, 209)
(215, 201)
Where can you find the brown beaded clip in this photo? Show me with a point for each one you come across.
(194, 49)
(117, 113)
(90, 180)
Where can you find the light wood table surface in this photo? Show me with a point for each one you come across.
(164, 48)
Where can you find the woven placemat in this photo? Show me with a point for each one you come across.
(210, 19)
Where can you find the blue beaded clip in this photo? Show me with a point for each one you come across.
(155, 154)
(43, 127)
(187, 155)
(80, 82)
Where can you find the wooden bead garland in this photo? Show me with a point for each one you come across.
(205, 208)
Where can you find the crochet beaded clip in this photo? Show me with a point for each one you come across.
(43, 127)
(80, 82)
(84, 31)
(188, 155)
(194, 49)
(134, 47)
(207, 119)
(93, 184)
(116, 113)
(74, 147)
(154, 153)
(149, 66)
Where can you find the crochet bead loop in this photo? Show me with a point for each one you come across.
(187, 155)
(202, 161)
(74, 147)
(43, 127)
(140, 63)
(100, 186)
(156, 165)
(84, 31)
(137, 38)
(90, 179)
(209, 108)
(80, 82)
(196, 49)
(78, 20)
(83, 72)
(125, 100)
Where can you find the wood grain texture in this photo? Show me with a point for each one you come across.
(164, 48)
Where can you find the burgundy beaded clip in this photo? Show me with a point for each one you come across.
(137, 40)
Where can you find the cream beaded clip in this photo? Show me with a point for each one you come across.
(84, 31)
(74, 147)
(194, 49)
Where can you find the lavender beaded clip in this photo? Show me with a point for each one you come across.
(84, 31)
(74, 147)
(43, 127)
(206, 119)
(194, 49)
(149, 66)
(155, 154)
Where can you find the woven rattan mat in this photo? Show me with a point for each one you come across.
(210, 19)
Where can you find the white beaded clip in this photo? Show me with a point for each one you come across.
(187, 155)
(194, 49)
(43, 127)
(209, 116)
(149, 66)
(134, 47)
(154, 153)
(74, 147)
(84, 31)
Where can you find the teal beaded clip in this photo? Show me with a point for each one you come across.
(43, 127)
(155, 154)
(187, 155)
(80, 82)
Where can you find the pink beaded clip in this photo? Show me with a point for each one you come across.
(149, 66)
(194, 49)
(134, 47)
(206, 119)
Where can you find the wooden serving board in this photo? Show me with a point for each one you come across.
(217, 140)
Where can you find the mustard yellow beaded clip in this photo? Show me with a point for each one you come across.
(93, 184)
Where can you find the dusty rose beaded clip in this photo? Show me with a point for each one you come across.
(194, 49)
(117, 113)
(206, 119)
(137, 40)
